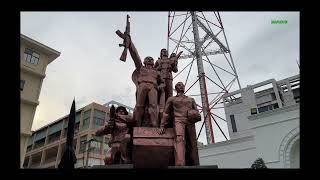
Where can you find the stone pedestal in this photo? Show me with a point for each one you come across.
(130, 166)
(151, 150)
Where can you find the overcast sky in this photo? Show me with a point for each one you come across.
(90, 70)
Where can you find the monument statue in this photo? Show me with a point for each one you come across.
(155, 144)
(166, 65)
(148, 81)
(120, 127)
(185, 116)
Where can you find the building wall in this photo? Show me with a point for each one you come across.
(295, 161)
(41, 67)
(27, 112)
(95, 158)
(270, 129)
(239, 153)
(241, 111)
(33, 76)
(31, 86)
(272, 135)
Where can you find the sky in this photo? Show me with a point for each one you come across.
(89, 68)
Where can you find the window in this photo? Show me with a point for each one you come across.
(83, 144)
(96, 146)
(22, 82)
(233, 123)
(86, 119)
(268, 107)
(31, 56)
(54, 137)
(39, 143)
(263, 109)
(76, 129)
(98, 118)
(253, 111)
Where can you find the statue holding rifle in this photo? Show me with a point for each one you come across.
(147, 80)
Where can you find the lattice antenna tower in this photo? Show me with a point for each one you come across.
(202, 37)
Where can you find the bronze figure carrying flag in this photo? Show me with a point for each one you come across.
(69, 158)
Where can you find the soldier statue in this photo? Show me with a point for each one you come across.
(166, 65)
(120, 127)
(148, 82)
(186, 115)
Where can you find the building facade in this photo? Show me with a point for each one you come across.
(263, 122)
(47, 144)
(34, 59)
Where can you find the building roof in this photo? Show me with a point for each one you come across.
(52, 54)
(117, 103)
(60, 119)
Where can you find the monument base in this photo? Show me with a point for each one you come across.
(113, 166)
(151, 150)
(130, 166)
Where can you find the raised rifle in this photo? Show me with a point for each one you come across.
(126, 41)
(112, 116)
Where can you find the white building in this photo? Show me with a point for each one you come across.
(263, 122)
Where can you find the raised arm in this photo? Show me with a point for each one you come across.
(174, 66)
(126, 118)
(175, 58)
(104, 130)
(135, 55)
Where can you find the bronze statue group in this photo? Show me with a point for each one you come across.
(155, 107)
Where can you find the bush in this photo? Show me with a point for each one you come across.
(258, 164)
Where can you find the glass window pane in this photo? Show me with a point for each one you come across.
(28, 57)
(28, 51)
(96, 147)
(83, 140)
(25, 56)
(32, 60)
(99, 114)
(36, 60)
(263, 109)
(233, 123)
(35, 54)
(78, 117)
(85, 124)
(86, 114)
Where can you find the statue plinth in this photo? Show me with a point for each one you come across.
(151, 150)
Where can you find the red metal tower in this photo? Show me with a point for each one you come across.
(199, 35)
